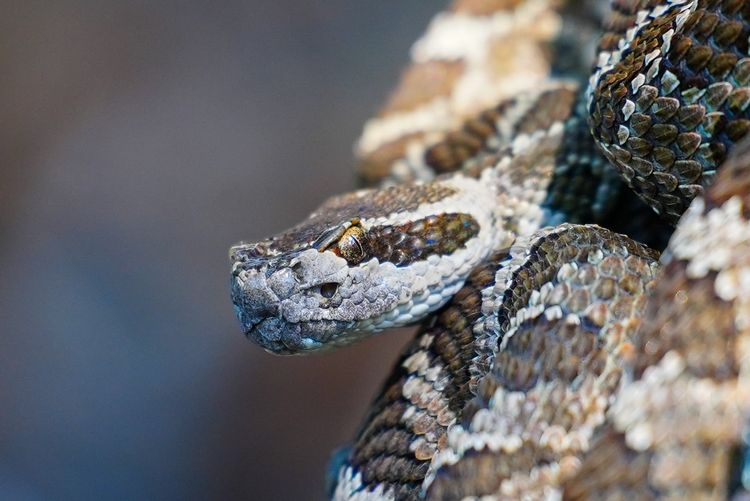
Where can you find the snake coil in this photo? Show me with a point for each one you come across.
(514, 213)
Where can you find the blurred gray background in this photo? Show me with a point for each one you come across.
(140, 140)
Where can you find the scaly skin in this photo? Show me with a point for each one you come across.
(555, 359)
(380, 258)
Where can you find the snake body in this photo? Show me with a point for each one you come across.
(557, 357)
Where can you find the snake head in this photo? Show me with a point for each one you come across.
(303, 300)
(361, 263)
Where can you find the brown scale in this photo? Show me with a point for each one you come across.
(611, 470)
(382, 451)
(422, 83)
(479, 136)
(699, 457)
(676, 141)
(376, 166)
(550, 252)
(450, 154)
(483, 7)
(621, 18)
(552, 106)
(478, 471)
(409, 242)
(703, 336)
(340, 209)
(686, 317)
(605, 292)
(698, 324)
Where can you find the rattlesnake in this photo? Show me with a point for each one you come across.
(556, 357)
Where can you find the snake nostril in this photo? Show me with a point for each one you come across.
(328, 289)
(297, 271)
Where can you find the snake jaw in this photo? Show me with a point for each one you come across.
(278, 337)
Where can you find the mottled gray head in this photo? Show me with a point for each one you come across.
(362, 262)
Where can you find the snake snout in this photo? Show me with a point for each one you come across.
(257, 293)
(253, 298)
(298, 302)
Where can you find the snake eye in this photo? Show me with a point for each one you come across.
(328, 289)
(350, 245)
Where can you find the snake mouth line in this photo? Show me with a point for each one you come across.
(310, 346)
(280, 337)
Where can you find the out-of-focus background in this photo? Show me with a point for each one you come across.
(139, 140)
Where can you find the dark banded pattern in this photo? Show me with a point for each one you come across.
(678, 429)
(424, 395)
(668, 119)
(555, 359)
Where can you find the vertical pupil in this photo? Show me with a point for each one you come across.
(353, 244)
(351, 249)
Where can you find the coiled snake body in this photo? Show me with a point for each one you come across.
(557, 357)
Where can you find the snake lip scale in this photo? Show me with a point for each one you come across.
(515, 200)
